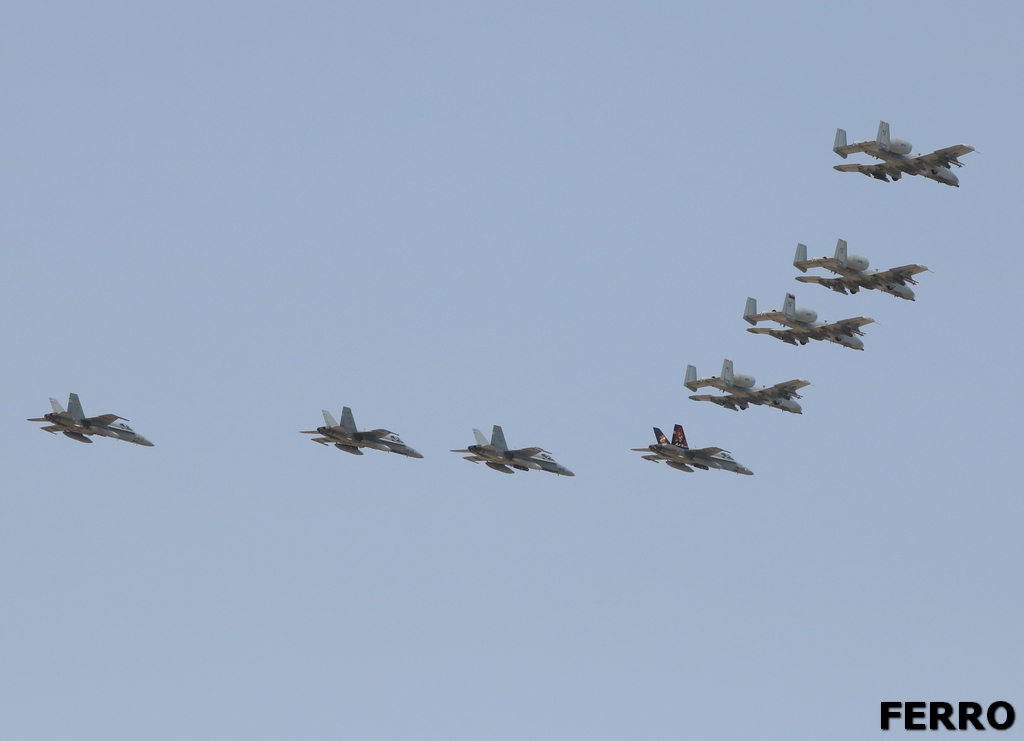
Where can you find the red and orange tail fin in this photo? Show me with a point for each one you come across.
(679, 437)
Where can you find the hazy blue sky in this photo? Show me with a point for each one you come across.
(220, 218)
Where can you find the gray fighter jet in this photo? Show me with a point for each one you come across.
(741, 390)
(348, 438)
(74, 424)
(678, 455)
(802, 325)
(895, 154)
(496, 455)
(854, 273)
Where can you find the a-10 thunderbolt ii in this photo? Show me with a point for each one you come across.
(897, 160)
(497, 455)
(741, 390)
(680, 456)
(350, 439)
(854, 274)
(74, 424)
(802, 325)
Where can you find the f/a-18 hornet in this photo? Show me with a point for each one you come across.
(741, 391)
(854, 273)
(896, 158)
(678, 455)
(346, 437)
(496, 455)
(74, 424)
(802, 325)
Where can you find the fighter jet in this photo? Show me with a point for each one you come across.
(496, 455)
(741, 390)
(895, 154)
(346, 437)
(680, 456)
(74, 424)
(803, 325)
(855, 275)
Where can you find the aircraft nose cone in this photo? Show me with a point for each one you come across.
(566, 472)
(144, 441)
(746, 471)
(415, 453)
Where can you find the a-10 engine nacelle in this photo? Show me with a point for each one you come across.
(900, 146)
(742, 380)
(857, 262)
(806, 315)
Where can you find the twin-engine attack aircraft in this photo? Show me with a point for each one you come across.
(348, 438)
(741, 390)
(678, 455)
(74, 424)
(496, 455)
(803, 325)
(895, 154)
(854, 273)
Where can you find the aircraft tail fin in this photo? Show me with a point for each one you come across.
(55, 405)
(691, 376)
(727, 373)
(789, 307)
(348, 422)
(883, 135)
(480, 439)
(679, 437)
(800, 258)
(750, 311)
(841, 252)
(329, 418)
(498, 439)
(840, 143)
(75, 407)
(660, 436)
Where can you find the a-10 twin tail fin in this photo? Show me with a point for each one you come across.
(727, 373)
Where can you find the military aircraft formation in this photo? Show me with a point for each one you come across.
(799, 326)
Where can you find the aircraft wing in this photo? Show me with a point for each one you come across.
(844, 327)
(942, 157)
(786, 335)
(881, 171)
(897, 275)
(836, 284)
(103, 419)
(786, 390)
(376, 434)
(526, 452)
(49, 428)
(723, 401)
(707, 451)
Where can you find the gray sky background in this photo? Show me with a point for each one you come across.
(220, 218)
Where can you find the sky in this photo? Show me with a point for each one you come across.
(220, 218)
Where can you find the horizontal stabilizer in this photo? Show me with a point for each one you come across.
(499, 467)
